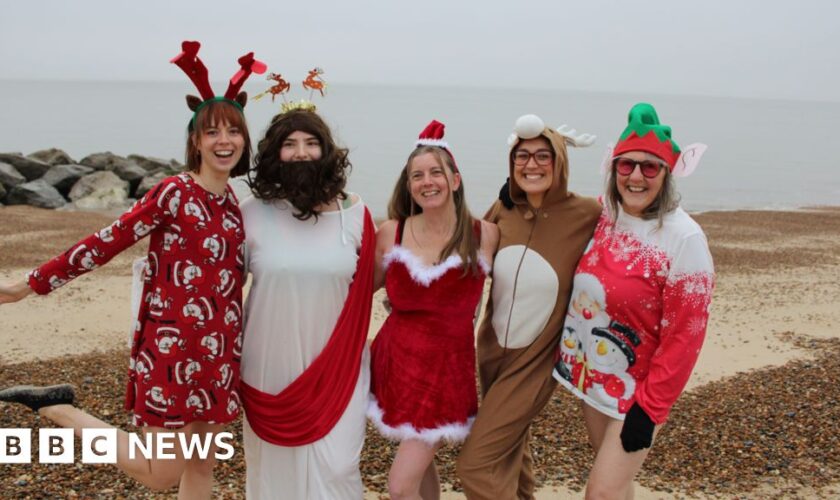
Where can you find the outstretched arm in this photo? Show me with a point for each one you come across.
(13, 292)
(97, 249)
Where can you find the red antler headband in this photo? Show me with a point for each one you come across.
(432, 135)
(189, 62)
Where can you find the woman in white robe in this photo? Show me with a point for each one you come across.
(304, 239)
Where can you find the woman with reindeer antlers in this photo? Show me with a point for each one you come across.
(184, 366)
(305, 376)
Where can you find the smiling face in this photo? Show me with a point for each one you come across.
(300, 146)
(220, 147)
(535, 175)
(430, 182)
(637, 191)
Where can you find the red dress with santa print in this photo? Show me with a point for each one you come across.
(185, 355)
(637, 315)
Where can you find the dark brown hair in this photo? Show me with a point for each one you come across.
(214, 114)
(402, 206)
(307, 184)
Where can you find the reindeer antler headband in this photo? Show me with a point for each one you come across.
(189, 62)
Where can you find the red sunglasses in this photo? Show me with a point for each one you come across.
(626, 166)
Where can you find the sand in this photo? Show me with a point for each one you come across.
(778, 278)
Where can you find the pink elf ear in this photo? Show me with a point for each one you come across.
(688, 160)
(606, 161)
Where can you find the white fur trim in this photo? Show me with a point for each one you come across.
(451, 433)
(432, 142)
(422, 273)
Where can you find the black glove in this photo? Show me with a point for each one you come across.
(504, 194)
(637, 431)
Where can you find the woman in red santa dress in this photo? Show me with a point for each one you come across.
(433, 258)
(639, 305)
(184, 366)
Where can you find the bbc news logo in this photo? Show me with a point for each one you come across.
(99, 446)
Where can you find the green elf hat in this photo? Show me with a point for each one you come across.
(645, 133)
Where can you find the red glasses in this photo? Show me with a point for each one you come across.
(649, 168)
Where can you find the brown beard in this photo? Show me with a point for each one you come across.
(304, 184)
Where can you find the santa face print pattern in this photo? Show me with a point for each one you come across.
(638, 309)
(187, 343)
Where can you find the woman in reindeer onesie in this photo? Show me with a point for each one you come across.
(543, 230)
(649, 269)
(184, 367)
(433, 258)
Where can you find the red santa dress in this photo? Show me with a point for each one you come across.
(187, 342)
(423, 358)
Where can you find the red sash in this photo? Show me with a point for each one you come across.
(310, 406)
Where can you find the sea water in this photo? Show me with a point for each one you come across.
(762, 153)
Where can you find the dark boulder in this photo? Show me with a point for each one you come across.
(29, 168)
(36, 193)
(63, 177)
(9, 176)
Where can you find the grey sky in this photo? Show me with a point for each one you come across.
(771, 48)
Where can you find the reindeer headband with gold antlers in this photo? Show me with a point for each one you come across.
(189, 62)
(313, 82)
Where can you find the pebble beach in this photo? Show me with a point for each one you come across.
(760, 418)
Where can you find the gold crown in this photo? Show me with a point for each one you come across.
(302, 105)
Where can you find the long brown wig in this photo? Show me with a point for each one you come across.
(315, 182)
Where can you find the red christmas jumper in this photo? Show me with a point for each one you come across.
(637, 315)
(423, 358)
(184, 364)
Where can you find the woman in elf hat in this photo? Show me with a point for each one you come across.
(433, 258)
(305, 376)
(649, 264)
(184, 366)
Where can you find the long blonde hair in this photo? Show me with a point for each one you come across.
(402, 206)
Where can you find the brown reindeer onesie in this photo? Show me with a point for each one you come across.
(532, 278)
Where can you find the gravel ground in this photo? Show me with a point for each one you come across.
(776, 428)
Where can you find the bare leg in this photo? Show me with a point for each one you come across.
(157, 474)
(430, 485)
(612, 473)
(197, 478)
(409, 469)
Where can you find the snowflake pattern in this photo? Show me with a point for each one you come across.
(696, 325)
(627, 247)
(648, 293)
